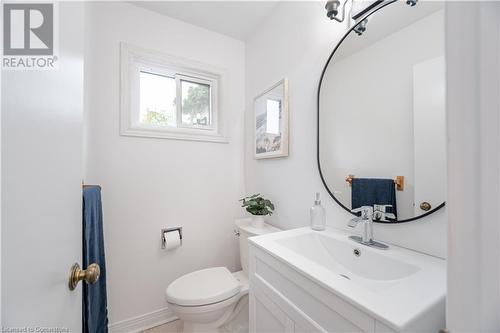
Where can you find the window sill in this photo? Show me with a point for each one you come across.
(173, 134)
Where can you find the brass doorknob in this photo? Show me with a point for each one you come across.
(425, 206)
(89, 275)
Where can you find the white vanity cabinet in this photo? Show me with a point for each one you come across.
(284, 300)
(281, 300)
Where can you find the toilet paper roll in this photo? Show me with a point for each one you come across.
(172, 240)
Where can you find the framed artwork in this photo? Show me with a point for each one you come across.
(271, 122)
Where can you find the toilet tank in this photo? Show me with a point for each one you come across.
(247, 229)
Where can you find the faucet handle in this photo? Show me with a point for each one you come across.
(366, 212)
(380, 213)
(381, 208)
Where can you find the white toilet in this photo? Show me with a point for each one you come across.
(214, 299)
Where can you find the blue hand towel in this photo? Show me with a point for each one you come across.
(95, 311)
(373, 191)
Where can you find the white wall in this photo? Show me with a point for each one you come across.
(149, 184)
(373, 136)
(295, 42)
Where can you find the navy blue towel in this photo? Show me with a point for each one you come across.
(95, 310)
(373, 191)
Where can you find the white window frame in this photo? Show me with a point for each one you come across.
(135, 60)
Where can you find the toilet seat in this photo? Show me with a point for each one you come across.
(200, 309)
(203, 287)
(206, 318)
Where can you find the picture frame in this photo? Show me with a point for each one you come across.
(271, 115)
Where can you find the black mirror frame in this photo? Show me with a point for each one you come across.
(367, 14)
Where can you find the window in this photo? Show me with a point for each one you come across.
(196, 108)
(169, 98)
(157, 100)
(158, 96)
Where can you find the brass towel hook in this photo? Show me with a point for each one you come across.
(89, 275)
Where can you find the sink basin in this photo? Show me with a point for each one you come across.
(369, 267)
(396, 286)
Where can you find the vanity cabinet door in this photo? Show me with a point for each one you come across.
(267, 317)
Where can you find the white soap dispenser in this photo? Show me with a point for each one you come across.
(318, 216)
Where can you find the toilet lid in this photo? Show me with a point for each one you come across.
(203, 287)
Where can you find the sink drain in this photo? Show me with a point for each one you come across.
(345, 276)
(357, 252)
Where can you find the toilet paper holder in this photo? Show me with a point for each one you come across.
(164, 231)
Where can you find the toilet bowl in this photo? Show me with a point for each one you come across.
(214, 299)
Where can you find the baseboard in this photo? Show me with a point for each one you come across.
(143, 322)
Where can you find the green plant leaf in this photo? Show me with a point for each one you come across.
(257, 205)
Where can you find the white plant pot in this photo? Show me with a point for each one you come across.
(258, 221)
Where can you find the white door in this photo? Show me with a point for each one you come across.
(473, 86)
(42, 114)
(429, 121)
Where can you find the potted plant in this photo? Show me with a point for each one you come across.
(259, 207)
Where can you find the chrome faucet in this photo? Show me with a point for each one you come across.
(366, 219)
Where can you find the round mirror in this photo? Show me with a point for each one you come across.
(381, 114)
